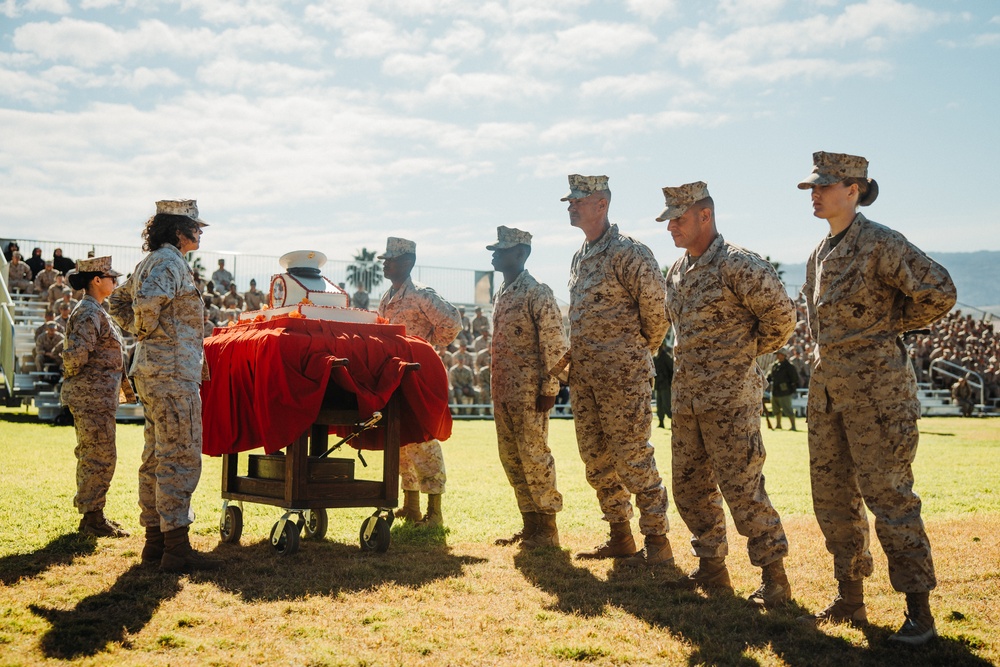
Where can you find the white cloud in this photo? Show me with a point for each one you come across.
(651, 9)
(631, 86)
(465, 90)
(462, 37)
(580, 46)
(268, 78)
(419, 67)
(364, 35)
(617, 129)
(750, 11)
(25, 87)
(51, 6)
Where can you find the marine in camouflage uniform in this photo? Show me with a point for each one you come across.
(161, 305)
(463, 380)
(727, 306)
(528, 341)
(19, 277)
(49, 346)
(483, 379)
(427, 315)
(866, 285)
(617, 320)
(93, 365)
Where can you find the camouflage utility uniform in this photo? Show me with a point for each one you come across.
(92, 360)
(427, 315)
(727, 308)
(528, 340)
(161, 305)
(861, 296)
(617, 320)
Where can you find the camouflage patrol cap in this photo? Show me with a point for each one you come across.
(100, 265)
(584, 186)
(830, 168)
(396, 247)
(508, 237)
(186, 207)
(681, 198)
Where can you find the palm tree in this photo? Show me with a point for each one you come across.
(366, 271)
(776, 265)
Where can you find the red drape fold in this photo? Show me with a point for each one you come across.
(269, 379)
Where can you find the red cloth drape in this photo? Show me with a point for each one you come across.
(269, 379)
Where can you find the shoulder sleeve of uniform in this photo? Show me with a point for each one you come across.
(82, 332)
(927, 286)
(443, 317)
(157, 289)
(756, 284)
(552, 343)
(640, 275)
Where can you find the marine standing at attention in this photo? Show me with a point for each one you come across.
(93, 367)
(866, 286)
(617, 321)
(427, 315)
(528, 340)
(727, 306)
(160, 304)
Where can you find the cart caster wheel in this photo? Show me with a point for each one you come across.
(231, 526)
(390, 516)
(316, 524)
(288, 542)
(378, 534)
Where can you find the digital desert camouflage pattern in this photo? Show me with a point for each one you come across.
(93, 365)
(396, 247)
(584, 186)
(171, 455)
(48, 347)
(45, 279)
(679, 199)
(161, 305)
(92, 359)
(830, 168)
(528, 339)
(508, 237)
(19, 278)
(484, 378)
(861, 296)
(427, 315)
(727, 308)
(617, 315)
(617, 319)
(462, 381)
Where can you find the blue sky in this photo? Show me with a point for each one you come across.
(331, 125)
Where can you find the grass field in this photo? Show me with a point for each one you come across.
(449, 597)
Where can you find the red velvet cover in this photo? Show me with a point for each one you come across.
(269, 378)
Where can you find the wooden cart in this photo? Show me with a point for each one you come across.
(305, 483)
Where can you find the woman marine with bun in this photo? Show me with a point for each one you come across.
(866, 286)
(92, 359)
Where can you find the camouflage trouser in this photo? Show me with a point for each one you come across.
(171, 457)
(421, 467)
(96, 456)
(612, 433)
(722, 450)
(860, 457)
(522, 438)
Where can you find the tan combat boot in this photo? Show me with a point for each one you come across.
(847, 607)
(530, 521)
(180, 556)
(433, 518)
(774, 589)
(656, 551)
(152, 550)
(618, 545)
(546, 533)
(95, 523)
(918, 628)
(712, 574)
(410, 511)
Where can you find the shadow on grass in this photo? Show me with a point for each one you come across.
(723, 629)
(416, 556)
(19, 417)
(60, 551)
(107, 617)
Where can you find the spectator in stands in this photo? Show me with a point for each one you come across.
(19, 276)
(479, 324)
(463, 353)
(213, 293)
(56, 290)
(92, 358)
(483, 358)
(199, 282)
(784, 381)
(221, 277)
(360, 298)
(484, 393)
(463, 384)
(209, 325)
(48, 349)
(254, 298)
(232, 300)
(49, 316)
(10, 249)
(45, 279)
(67, 298)
(61, 263)
(447, 358)
(64, 308)
(35, 262)
(963, 396)
(213, 311)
